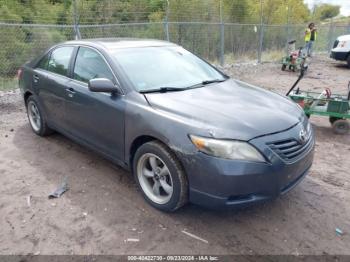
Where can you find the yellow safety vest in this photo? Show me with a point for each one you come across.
(308, 35)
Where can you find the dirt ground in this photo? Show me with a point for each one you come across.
(103, 211)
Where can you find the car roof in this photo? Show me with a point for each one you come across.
(116, 43)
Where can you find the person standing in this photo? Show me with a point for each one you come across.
(310, 38)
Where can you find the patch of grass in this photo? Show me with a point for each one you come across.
(7, 84)
(273, 55)
(232, 58)
(267, 56)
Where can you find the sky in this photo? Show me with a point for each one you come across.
(344, 9)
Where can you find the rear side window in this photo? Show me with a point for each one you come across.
(89, 64)
(59, 60)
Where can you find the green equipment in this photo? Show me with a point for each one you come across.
(334, 106)
(296, 58)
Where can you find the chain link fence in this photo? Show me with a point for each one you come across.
(224, 43)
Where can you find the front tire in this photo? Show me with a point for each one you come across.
(348, 60)
(36, 117)
(160, 177)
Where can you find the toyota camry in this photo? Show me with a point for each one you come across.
(187, 131)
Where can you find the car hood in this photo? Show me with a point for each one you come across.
(344, 38)
(229, 110)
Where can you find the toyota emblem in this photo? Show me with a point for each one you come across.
(302, 136)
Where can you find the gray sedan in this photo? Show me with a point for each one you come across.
(184, 129)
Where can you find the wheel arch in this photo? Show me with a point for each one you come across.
(26, 95)
(183, 185)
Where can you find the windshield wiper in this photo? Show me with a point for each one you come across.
(176, 89)
(162, 90)
(207, 82)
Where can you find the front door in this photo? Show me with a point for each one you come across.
(95, 118)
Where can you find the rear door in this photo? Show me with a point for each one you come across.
(95, 118)
(39, 74)
(53, 83)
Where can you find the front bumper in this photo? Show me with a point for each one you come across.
(341, 56)
(222, 183)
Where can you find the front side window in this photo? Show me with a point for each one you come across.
(150, 68)
(59, 60)
(89, 65)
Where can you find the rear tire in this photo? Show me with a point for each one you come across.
(348, 60)
(283, 68)
(341, 127)
(160, 176)
(36, 117)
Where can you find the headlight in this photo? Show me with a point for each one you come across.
(229, 149)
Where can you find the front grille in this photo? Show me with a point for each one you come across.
(291, 149)
(335, 43)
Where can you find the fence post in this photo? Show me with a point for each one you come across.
(75, 20)
(288, 14)
(222, 44)
(166, 24)
(261, 32)
(222, 37)
(330, 36)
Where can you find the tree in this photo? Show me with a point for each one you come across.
(325, 11)
(236, 11)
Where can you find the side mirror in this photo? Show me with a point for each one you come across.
(103, 85)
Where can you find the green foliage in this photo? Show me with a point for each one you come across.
(7, 84)
(119, 11)
(11, 54)
(36, 11)
(325, 11)
(236, 11)
(281, 11)
(18, 44)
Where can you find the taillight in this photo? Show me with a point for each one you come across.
(19, 73)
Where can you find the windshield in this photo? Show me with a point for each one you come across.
(152, 68)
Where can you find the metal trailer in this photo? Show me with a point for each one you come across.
(334, 106)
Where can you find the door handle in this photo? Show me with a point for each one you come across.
(36, 78)
(70, 91)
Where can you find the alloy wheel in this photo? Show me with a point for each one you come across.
(34, 116)
(155, 178)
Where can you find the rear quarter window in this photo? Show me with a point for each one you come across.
(42, 64)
